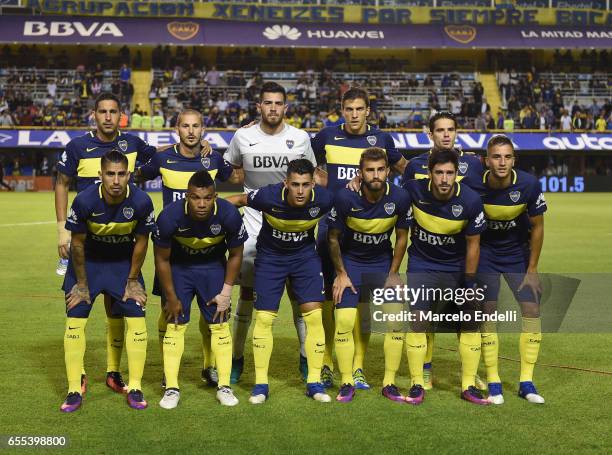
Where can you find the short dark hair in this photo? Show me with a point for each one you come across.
(113, 156)
(104, 96)
(439, 115)
(272, 87)
(301, 166)
(499, 139)
(201, 179)
(355, 93)
(443, 157)
(373, 154)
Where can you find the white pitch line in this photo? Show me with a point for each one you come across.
(32, 223)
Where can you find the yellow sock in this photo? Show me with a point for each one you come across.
(343, 339)
(115, 333)
(174, 346)
(469, 351)
(430, 346)
(490, 351)
(330, 329)
(263, 342)
(529, 346)
(221, 348)
(314, 345)
(74, 350)
(136, 348)
(208, 357)
(362, 339)
(162, 325)
(416, 349)
(394, 343)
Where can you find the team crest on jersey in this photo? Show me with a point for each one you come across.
(122, 145)
(390, 207)
(371, 140)
(206, 162)
(457, 210)
(515, 195)
(290, 143)
(314, 211)
(463, 167)
(128, 212)
(215, 229)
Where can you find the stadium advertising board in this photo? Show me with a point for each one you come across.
(329, 13)
(57, 30)
(407, 141)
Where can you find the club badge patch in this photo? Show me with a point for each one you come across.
(290, 143)
(128, 212)
(515, 196)
(215, 229)
(463, 167)
(389, 207)
(122, 144)
(314, 211)
(457, 210)
(206, 162)
(371, 140)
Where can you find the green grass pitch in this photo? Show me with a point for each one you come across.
(576, 416)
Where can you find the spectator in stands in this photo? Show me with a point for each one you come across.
(334, 118)
(499, 124)
(44, 169)
(212, 77)
(579, 120)
(600, 123)
(480, 123)
(2, 182)
(6, 119)
(125, 73)
(565, 122)
(145, 121)
(16, 167)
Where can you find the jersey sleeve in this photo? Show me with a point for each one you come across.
(393, 154)
(408, 175)
(225, 169)
(77, 216)
(318, 147)
(404, 214)
(232, 154)
(146, 219)
(144, 151)
(69, 161)
(536, 205)
(164, 230)
(236, 233)
(258, 199)
(337, 214)
(476, 220)
(151, 169)
(308, 152)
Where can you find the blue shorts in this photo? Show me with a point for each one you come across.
(302, 269)
(108, 278)
(490, 270)
(202, 281)
(327, 266)
(363, 275)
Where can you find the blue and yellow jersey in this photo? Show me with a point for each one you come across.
(366, 228)
(439, 227)
(110, 229)
(197, 242)
(176, 170)
(287, 229)
(507, 212)
(469, 172)
(340, 151)
(81, 158)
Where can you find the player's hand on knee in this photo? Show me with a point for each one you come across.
(341, 283)
(532, 281)
(354, 184)
(173, 309)
(79, 293)
(393, 280)
(135, 291)
(206, 148)
(223, 302)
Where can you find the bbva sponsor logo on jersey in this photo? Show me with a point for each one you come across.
(515, 196)
(123, 145)
(433, 239)
(270, 161)
(500, 225)
(64, 28)
(289, 236)
(457, 210)
(390, 207)
(128, 212)
(215, 229)
(370, 239)
(314, 211)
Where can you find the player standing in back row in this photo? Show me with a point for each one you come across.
(263, 152)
